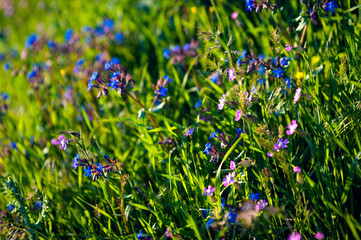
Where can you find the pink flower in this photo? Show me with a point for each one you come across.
(261, 204)
(270, 154)
(168, 234)
(288, 47)
(231, 74)
(228, 180)
(295, 236)
(221, 102)
(238, 115)
(291, 127)
(297, 95)
(319, 235)
(209, 191)
(62, 141)
(234, 15)
(297, 169)
(232, 165)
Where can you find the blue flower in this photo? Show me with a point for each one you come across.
(107, 66)
(330, 6)
(166, 53)
(6, 66)
(250, 5)
(168, 79)
(213, 134)
(100, 167)
(239, 130)
(90, 84)
(162, 92)
(209, 222)
(108, 23)
(38, 204)
(232, 218)
(198, 104)
(139, 235)
(13, 145)
(31, 40)
(68, 35)
(288, 83)
(223, 203)
(11, 207)
(75, 161)
(31, 74)
(4, 95)
(88, 171)
(253, 196)
(80, 62)
(99, 30)
(207, 148)
(94, 76)
(119, 37)
(284, 61)
(261, 70)
(244, 53)
(215, 78)
(176, 48)
(113, 84)
(115, 60)
(186, 47)
(261, 81)
(114, 74)
(278, 73)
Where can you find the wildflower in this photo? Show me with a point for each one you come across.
(107, 66)
(68, 35)
(223, 203)
(288, 47)
(31, 74)
(238, 115)
(297, 169)
(330, 6)
(100, 167)
(108, 23)
(239, 130)
(168, 234)
(207, 148)
(166, 53)
(62, 141)
(261, 204)
(176, 49)
(288, 83)
(88, 171)
(115, 60)
(221, 102)
(31, 40)
(118, 37)
(6, 66)
(278, 73)
(297, 95)
(213, 134)
(90, 85)
(198, 104)
(162, 92)
(243, 54)
(113, 84)
(231, 74)
(140, 235)
(186, 47)
(299, 75)
(38, 204)
(295, 236)
(253, 196)
(232, 217)
(270, 154)
(209, 222)
(209, 191)
(11, 207)
(234, 15)
(94, 76)
(228, 180)
(75, 161)
(281, 144)
(250, 4)
(167, 80)
(232, 165)
(319, 235)
(284, 61)
(189, 132)
(262, 71)
(291, 127)
(13, 145)
(215, 78)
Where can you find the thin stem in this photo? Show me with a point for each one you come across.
(284, 32)
(301, 43)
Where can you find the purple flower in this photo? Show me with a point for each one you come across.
(234, 15)
(281, 144)
(189, 132)
(330, 6)
(238, 115)
(297, 95)
(168, 234)
(291, 127)
(62, 141)
(176, 49)
(319, 235)
(186, 47)
(162, 92)
(253, 196)
(228, 180)
(278, 73)
(261, 204)
(209, 191)
(232, 165)
(221, 102)
(295, 236)
(288, 47)
(75, 161)
(88, 171)
(270, 154)
(297, 169)
(231, 74)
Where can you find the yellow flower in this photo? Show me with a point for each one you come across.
(194, 10)
(62, 72)
(210, 10)
(299, 75)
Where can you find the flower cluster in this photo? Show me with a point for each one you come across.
(178, 54)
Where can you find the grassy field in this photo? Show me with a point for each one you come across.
(180, 119)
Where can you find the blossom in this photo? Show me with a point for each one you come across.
(239, 130)
(288, 47)
(281, 144)
(297, 95)
(88, 171)
(238, 115)
(166, 53)
(234, 15)
(250, 4)
(213, 134)
(295, 236)
(261, 204)
(11, 207)
(99, 167)
(291, 127)
(209, 222)
(215, 78)
(68, 35)
(319, 235)
(232, 217)
(186, 47)
(113, 84)
(62, 141)
(288, 83)
(278, 73)
(198, 104)
(118, 37)
(330, 6)
(299, 75)
(297, 169)
(209, 191)
(38, 204)
(221, 102)
(232, 165)
(270, 154)
(31, 40)
(284, 61)
(253, 196)
(189, 132)
(75, 161)
(228, 180)
(207, 148)
(139, 235)
(162, 92)
(168, 234)
(231, 74)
